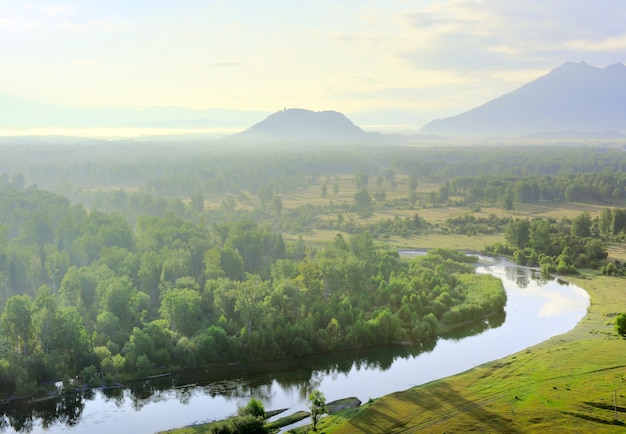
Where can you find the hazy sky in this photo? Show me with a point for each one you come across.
(439, 57)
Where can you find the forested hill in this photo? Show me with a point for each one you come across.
(574, 97)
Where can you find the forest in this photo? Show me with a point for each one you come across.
(120, 263)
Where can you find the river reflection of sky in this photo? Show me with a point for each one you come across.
(556, 297)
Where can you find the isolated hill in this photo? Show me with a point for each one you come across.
(574, 97)
(300, 126)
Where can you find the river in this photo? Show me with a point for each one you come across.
(536, 310)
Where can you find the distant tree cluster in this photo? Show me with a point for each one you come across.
(558, 247)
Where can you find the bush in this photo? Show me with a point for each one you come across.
(620, 324)
(221, 428)
(254, 407)
(248, 425)
(520, 257)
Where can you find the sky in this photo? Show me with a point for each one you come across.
(434, 58)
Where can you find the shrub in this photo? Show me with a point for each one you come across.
(254, 407)
(620, 324)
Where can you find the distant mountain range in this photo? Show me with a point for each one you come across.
(18, 113)
(575, 99)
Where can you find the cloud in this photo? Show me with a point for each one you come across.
(470, 34)
(56, 10)
(19, 24)
(224, 64)
(93, 25)
(613, 43)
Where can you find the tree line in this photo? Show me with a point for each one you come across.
(560, 246)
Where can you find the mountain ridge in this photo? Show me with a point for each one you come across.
(573, 96)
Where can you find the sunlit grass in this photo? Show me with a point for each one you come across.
(569, 383)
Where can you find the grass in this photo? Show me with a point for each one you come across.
(288, 420)
(311, 195)
(271, 426)
(567, 383)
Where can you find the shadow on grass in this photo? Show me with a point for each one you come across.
(374, 420)
(437, 403)
(596, 419)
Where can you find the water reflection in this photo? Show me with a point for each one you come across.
(477, 327)
(295, 377)
(215, 392)
(65, 410)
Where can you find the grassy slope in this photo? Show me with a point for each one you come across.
(566, 383)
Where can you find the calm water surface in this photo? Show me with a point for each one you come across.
(536, 310)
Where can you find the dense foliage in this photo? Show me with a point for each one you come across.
(84, 293)
(559, 246)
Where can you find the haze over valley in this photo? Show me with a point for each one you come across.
(306, 216)
(573, 101)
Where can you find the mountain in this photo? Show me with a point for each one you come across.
(574, 97)
(305, 126)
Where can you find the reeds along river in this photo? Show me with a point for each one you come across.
(537, 308)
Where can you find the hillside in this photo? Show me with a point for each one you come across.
(307, 127)
(574, 98)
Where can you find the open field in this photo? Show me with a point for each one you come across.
(575, 382)
(428, 241)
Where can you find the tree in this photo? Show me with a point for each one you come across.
(605, 221)
(317, 405)
(539, 234)
(412, 179)
(277, 204)
(254, 407)
(181, 307)
(17, 323)
(57, 265)
(506, 201)
(119, 298)
(581, 225)
(517, 233)
(620, 324)
(362, 199)
(250, 293)
(361, 180)
(389, 175)
(62, 335)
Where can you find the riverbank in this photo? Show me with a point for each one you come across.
(574, 382)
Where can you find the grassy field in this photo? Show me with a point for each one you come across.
(575, 382)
